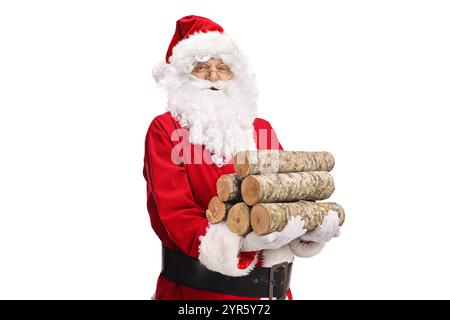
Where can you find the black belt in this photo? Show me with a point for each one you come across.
(261, 282)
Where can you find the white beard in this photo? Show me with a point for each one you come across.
(220, 120)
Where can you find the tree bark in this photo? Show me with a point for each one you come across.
(229, 187)
(238, 220)
(217, 210)
(270, 217)
(284, 187)
(273, 161)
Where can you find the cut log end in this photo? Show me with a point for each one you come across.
(250, 190)
(217, 210)
(228, 187)
(223, 189)
(238, 220)
(260, 219)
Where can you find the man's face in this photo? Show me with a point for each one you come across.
(212, 70)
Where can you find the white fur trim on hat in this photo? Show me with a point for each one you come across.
(306, 249)
(219, 249)
(206, 44)
(272, 257)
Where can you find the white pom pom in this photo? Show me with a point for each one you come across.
(159, 71)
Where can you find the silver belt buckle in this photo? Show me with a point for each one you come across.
(285, 266)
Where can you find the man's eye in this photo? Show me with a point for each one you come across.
(202, 68)
(224, 68)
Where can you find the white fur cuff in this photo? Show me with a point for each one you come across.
(306, 249)
(219, 249)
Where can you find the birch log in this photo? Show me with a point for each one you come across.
(217, 210)
(273, 161)
(270, 217)
(238, 220)
(229, 187)
(284, 187)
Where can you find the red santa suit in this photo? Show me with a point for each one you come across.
(177, 199)
(178, 193)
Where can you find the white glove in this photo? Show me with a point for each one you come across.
(304, 249)
(293, 230)
(325, 231)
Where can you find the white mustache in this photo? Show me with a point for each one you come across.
(207, 85)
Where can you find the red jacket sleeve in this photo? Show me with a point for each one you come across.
(183, 219)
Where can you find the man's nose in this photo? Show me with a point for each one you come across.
(213, 75)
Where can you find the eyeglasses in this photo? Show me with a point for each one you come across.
(223, 71)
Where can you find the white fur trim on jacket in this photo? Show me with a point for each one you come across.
(306, 249)
(272, 257)
(219, 249)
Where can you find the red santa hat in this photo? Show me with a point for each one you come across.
(198, 39)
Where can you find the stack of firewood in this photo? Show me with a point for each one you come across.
(270, 186)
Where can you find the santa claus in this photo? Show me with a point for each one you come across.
(211, 114)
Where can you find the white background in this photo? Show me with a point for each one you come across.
(366, 80)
